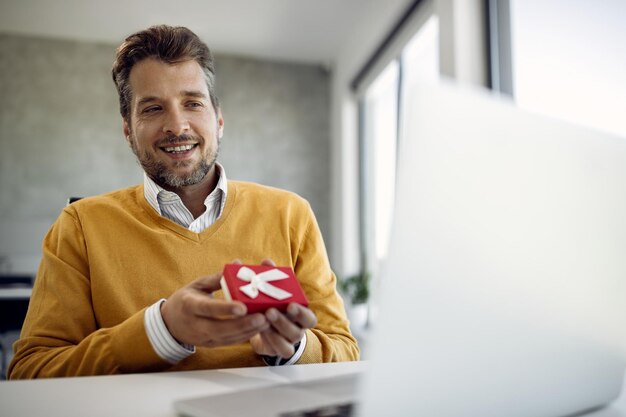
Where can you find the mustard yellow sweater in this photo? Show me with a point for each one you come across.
(109, 257)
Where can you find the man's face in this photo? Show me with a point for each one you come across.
(173, 128)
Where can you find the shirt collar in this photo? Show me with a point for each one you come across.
(151, 190)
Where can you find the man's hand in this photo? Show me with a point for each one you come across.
(285, 330)
(193, 317)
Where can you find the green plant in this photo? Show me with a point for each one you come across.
(356, 287)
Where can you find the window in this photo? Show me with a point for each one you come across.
(380, 137)
(381, 116)
(568, 60)
(420, 57)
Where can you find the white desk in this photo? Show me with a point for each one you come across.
(149, 395)
(153, 394)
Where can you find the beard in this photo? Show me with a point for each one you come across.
(166, 177)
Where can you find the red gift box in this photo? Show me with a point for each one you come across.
(260, 287)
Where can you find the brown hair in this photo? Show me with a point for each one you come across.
(168, 44)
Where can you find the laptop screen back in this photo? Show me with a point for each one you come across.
(504, 293)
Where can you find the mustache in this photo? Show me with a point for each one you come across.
(175, 139)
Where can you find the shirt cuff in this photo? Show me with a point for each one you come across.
(278, 361)
(163, 343)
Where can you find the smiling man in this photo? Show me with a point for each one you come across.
(129, 281)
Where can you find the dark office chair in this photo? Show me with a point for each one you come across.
(13, 311)
(12, 314)
(72, 199)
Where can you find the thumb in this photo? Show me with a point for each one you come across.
(268, 262)
(208, 283)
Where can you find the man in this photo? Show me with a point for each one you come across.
(118, 288)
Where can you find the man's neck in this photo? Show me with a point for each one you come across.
(193, 196)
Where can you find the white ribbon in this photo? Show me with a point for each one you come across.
(260, 283)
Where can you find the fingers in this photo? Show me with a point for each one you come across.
(287, 329)
(235, 339)
(268, 262)
(207, 284)
(195, 318)
(301, 315)
(202, 306)
(277, 344)
(222, 332)
(212, 331)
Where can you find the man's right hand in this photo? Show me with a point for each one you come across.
(194, 317)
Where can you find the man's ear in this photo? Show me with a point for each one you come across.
(220, 124)
(126, 128)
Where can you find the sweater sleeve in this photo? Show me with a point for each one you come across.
(330, 340)
(61, 335)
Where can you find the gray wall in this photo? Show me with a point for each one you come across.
(60, 133)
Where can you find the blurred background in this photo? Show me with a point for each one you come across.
(312, 94)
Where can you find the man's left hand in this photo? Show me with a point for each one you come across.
(284, 332)
(286, 329)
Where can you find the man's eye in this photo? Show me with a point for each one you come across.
(195, 104)
(151, 109)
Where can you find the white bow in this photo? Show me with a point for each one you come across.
(260, 282)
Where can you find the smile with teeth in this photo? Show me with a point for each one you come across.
(179, 149)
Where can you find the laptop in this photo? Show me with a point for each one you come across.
(504, 293)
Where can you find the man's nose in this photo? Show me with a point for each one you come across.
(175, 123)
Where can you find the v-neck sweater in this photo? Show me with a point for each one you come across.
(109, 257)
